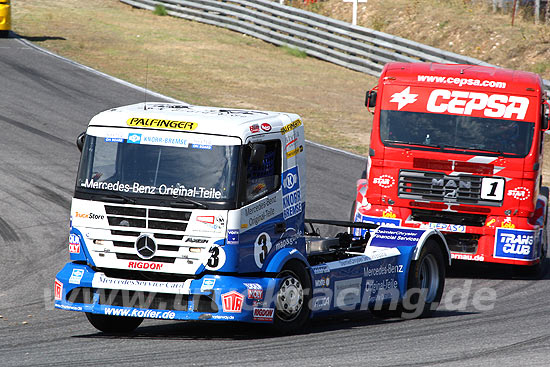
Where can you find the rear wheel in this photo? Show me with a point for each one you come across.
(425, 283)
(424, 287)
(114, 324)
(4, 34)
(292, 299)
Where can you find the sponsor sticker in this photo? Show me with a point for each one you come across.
(293, 125)
(255, 291)
(387, 236)
(76, 276)
(459, 102)
(114, 140)
(403, 98)
(322, 282)
(254, 128)
(134, 138)
(161, 123)
(519, 193)
(208, 284)
(292, 202)
(384, 181)
(74, 244)
(58, 290)
(232, 302)
(514, 244)
(263, 314)
(89, 215)
(266, 127)
(143, 265)
(321, 303)
(201, 146)
(444, 227)
(320, 269)
(294, 152)
(233, 237)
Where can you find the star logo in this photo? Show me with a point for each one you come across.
(403, 98)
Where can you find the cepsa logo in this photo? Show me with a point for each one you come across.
(460, 102)
(466, 103)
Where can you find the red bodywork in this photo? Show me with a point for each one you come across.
(486, 202)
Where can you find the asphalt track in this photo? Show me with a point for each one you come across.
(46, 102)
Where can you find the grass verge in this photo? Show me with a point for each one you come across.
(202, 64)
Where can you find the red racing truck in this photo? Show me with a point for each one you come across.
(459, 148)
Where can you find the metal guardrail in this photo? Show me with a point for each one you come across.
(354, 47)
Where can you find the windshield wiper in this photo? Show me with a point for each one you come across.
(117, 198)
(184, 202)
(401, 142)
(472, 148)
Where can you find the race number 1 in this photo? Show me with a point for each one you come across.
(492, 188)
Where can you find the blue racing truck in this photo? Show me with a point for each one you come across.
(184, 212)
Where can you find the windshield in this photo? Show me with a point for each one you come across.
(452, 132)
(160, 164)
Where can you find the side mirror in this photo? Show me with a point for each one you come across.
(80, 141)
(370, 98)
(545, 118)
(545, 111)
(257, 154)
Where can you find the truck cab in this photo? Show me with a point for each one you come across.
(459, 148)
(171, 195)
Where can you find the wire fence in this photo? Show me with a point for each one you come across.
(354, 47)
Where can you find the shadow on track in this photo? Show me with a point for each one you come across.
(203, 330)
(467, 269)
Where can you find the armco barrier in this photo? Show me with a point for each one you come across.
(358, 48)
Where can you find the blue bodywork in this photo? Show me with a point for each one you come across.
(353, 283)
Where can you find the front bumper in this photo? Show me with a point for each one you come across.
(78, 287)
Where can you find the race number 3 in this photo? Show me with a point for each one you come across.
(216, 259)
(492, 188)
(262, 246)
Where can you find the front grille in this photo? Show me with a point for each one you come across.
(436, 186)
(465, 219)
(145, 218)
(167, 226)
(144, 300)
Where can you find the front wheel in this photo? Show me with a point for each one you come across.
(114, 324)
(292, 299)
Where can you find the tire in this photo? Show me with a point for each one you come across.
(292, 299)
(114, 324)
(424, 287)
(538, 270)
(425, 282)
(4, 34)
